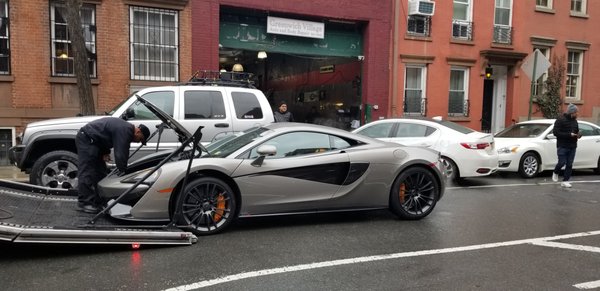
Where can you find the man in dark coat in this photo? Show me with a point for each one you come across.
(566, 130)
(94, 142)
(282, 114)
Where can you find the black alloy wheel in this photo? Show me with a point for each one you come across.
(414, 193)
(207, 205)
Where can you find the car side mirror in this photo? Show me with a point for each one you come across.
(128, 114)
(550, 136)
(263, 151)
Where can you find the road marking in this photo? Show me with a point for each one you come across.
(588, 285)
(567, 246)
(296, 268)
(519, 185)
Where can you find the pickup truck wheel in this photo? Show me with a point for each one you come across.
(57, 169)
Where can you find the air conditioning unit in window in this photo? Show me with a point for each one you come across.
(421, 7)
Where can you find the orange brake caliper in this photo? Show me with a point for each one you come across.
(220, 207)
(402, 192)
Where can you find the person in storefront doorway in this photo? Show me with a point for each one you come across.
(567, 133)
(282, 114)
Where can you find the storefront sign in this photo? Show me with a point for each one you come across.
(293, 27)
(327, 69)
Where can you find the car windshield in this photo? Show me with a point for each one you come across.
(455, 126)
(525, 130)
(227, 145)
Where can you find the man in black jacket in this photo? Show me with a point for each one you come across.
(94, 142)
(566, 130)
(282, 114)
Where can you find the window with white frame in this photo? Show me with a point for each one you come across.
(154, 44)
(544, 3)
(458, 99)
(574, 66)
(462, 27)
(578, 6)
(414, 90)
(62, 50)
(539, 88)
(502, 22)
(4, 39)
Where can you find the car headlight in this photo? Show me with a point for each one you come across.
(507, 150)
(141, 174)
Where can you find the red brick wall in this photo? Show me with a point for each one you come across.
(30, 54)
(32, 89)
(377, 15)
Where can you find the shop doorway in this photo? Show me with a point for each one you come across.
(319, 78)
(319, 90)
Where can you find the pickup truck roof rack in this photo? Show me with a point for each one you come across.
(217, 78)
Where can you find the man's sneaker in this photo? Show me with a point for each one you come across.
(88, 208)
(554, 177)
(566, 185)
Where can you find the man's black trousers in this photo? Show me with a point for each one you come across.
(92, 168)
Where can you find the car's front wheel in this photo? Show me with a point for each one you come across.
(529, 165)
(597, 169)
(56, 169)
(414, 194)
(207, 205)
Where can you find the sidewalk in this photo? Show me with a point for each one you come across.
(13, 173)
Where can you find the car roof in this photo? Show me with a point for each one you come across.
(542, 121)
(298, 126)
(550, 121)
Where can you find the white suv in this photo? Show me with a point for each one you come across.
(47, 149)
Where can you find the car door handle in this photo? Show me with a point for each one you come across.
(222, 125)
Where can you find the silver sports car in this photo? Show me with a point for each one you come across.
(279, 169)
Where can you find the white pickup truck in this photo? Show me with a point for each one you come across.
(47, 149)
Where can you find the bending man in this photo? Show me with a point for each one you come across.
(94, 142)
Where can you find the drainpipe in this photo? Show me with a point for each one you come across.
(394, 74)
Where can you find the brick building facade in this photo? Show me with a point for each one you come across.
(443, 57)
(34, 88)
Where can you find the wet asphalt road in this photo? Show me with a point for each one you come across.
(496, 233)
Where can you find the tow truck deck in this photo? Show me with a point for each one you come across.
(34, 214)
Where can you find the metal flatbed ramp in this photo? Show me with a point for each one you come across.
(36, 214)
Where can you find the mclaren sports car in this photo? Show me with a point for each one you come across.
(278, 169)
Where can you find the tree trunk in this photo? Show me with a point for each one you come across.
(80, 56)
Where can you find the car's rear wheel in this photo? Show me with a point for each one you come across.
(56, 169)
(414, 194)
(207, 205)
(452, 172)
(529, 165)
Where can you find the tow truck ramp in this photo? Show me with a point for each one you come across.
(34, 214)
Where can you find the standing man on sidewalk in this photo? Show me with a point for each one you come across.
(94, 142)
(566, 130)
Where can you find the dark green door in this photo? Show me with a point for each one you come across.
(5, 144)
